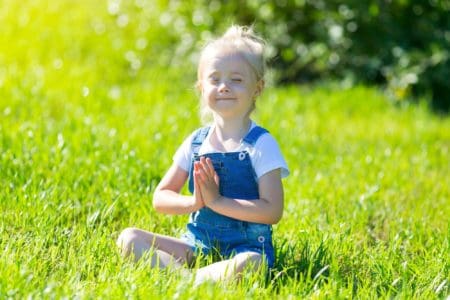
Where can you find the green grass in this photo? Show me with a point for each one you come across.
(86, 133)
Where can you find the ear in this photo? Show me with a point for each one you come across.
(259, 87)
(199, 87)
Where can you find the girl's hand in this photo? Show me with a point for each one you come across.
(207, 180)
(198, 200)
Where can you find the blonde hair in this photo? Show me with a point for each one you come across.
(240, 39)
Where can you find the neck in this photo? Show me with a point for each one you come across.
(231, 129)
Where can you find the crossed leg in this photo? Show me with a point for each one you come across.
(171, 251)
(230, 268)
(166, 250)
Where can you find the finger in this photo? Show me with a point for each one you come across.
(210, 167)
(196, 174)
(200, 174)
(216, 179)
(204, 168)
(196, 185)
(207, 165)
(197, 190)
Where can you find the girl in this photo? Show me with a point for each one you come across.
(234, 169)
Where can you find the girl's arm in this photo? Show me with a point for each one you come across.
(167, 198)
(268, 209)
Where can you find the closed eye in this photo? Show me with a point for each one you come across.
(214, 79)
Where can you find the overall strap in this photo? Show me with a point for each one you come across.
(254, 135)
(199, 136)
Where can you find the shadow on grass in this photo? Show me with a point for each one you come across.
(301, 263)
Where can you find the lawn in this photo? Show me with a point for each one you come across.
(91, 113)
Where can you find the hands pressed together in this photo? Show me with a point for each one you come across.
(206, 183)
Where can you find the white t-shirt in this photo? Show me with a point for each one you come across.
(265, 155)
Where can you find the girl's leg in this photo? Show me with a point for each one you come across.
(166, 250)
(230, 268)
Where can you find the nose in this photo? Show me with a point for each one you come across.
(223, 87)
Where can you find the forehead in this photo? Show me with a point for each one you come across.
(225, 61)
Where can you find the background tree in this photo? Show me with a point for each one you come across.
(402, 44)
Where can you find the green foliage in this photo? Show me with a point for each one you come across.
(403, 44)
(91, 113)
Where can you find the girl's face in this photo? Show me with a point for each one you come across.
(228, 85)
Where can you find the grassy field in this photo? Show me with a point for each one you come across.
(90, 118)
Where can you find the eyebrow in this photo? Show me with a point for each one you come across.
(217, 72)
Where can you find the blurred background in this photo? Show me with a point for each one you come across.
(400, 45)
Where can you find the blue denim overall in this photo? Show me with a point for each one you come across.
(209, 231)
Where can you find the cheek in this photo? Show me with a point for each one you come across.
(207, 94)
(245, 91)
(210, 88)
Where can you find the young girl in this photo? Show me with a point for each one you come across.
(234, 169)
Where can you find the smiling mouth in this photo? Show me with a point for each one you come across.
(218, 99)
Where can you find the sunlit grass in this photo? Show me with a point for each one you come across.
(90, 119)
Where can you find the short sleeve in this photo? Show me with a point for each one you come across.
(182, 156)
(268, 157)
